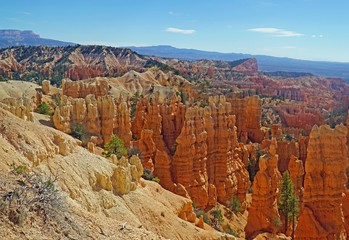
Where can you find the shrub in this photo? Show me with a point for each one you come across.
(235, 205)
(34, 193)
(78, 131)
(133, 104)
(134, 151)
(217, 214)
(43, 108)
(204, 215)
(115, 146)
(147, 174)
(231, 231)
(2, 79)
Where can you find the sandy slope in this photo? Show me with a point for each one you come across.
(92, 212)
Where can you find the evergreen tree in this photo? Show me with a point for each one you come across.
(289, 203)
(115, 146)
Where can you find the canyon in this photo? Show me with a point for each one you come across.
(214, 136)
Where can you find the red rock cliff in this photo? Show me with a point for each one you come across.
(263, 213)
(324, 184)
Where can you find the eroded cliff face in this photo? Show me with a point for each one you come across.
(296, 169)
(80, 89)
(263, 213)
(20, 107)
(324, 184)
(248, 113)
(101, 116)
(96, 191)
(193, 150)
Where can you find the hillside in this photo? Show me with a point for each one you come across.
(9, 38)
(81, 62)
(265, 63)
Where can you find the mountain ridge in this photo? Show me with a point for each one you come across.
(12, 37)
(265, 63)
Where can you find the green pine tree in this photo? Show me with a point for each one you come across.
(289, 202)
(115, 146)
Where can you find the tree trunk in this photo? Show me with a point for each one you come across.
(293, 226)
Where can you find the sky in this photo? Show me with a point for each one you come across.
(302, 29)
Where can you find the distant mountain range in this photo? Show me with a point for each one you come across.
(265, 63)
(10, 38)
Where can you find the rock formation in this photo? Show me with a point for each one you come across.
(263, 214)
(81, 89)
(248, 113)
(102, 117)
(45, 86)
(324, 184)
(303, 142)
(296, 169)
(249, 66)
(345, 201)
(194, 151)
(89, 190)
(20, 107)
(285, 151)
(126, 174)
(225, 169)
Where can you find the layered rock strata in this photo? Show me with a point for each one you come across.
(101, 116)
(194, 151)
(263, 214)
(79, 89)
(248, 113)
(20, 107)
(324, 185)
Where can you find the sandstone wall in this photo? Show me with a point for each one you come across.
(324, 184)
(102, 117)
(194, 151)
(248, 113)
(263, 213)
(80, 89)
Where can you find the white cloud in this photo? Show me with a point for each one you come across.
(181, 31)
(276, 32)
(317, 36)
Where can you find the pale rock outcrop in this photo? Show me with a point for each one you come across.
(20, 107)
(80, 89)
(102, 117)
(263, 213)
(324, 185)
(126, 175)
(45, 86)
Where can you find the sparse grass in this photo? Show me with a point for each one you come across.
(32, 194)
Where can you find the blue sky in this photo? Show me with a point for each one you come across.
(303, 29)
